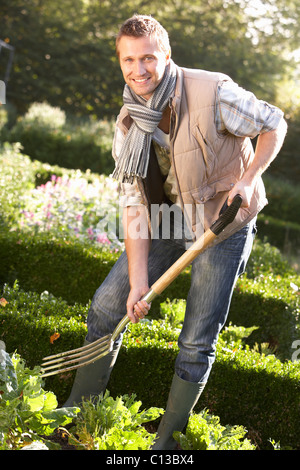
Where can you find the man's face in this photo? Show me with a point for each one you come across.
(142, 63)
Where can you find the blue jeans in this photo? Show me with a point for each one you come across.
(214, 275)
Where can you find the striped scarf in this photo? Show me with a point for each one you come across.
(134, 156)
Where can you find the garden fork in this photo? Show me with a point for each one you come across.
(75, 358)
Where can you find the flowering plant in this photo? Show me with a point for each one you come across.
(73, 206)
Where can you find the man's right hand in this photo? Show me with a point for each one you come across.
(136, 308)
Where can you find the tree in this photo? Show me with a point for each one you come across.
(65, 51)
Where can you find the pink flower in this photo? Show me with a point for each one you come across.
(102, 238)
(90, 233)
(28, 215)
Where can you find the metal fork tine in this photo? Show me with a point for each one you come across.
(82, 356)
(73, 353)
(82, 348)
(79, 358)
(45, 372)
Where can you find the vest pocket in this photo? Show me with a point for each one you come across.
(209, 155)
(211, 189)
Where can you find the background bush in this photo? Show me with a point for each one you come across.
(47, 136)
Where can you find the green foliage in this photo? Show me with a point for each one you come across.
(29, 415)
(57, 276)
(113, 424)
(204, 432)
(48, 136)
(284, 199)
(65, 55)
(73, 43)
(42, 264)
(40, 316)
(173, 311)
(27, 411)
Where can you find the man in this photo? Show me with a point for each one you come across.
(182, 138)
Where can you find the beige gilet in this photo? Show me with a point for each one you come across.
(207, 164)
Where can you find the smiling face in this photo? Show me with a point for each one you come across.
(142, 63)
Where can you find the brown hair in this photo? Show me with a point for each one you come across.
(141, 26)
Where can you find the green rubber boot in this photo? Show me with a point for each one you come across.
(91, 380)
(183, 397)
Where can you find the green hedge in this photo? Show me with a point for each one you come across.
(257, 391)
(48, 136)
(73, 271)
(285, 235)
(284, 199)
(65, 150)
(28, 322)
(245, 387)
(279, 222)
(66, 268)
(267, 390)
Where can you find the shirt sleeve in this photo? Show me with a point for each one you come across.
(130, 194)
(239, 112)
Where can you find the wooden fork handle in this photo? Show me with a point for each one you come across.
(226, 216)
(185, 260)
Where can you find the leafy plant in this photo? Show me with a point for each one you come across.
(27, 412)
(173, 311)
(113, 424)
(44, 115)
(204, 432)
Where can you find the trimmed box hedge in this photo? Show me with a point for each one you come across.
(267, 390)
(73, 271)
